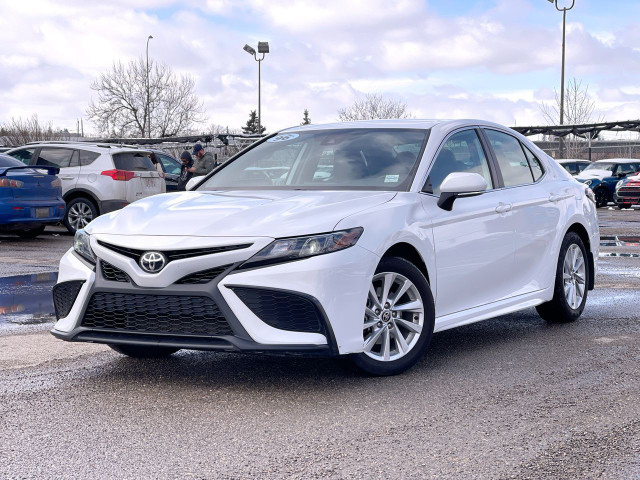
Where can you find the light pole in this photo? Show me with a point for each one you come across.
(148, 107)
(564, 30)
(263, 48)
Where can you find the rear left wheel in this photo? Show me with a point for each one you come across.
(398, 319)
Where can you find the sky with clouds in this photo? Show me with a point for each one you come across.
(491, 59)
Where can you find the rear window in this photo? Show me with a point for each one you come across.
(133, 161)
(24, 155)
(7, 161)
(87, 158)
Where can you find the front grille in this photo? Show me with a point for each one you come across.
(113, 274)
(629, 192)
(64, 296)
(204, 276)
(169, 314)
(174, 254)
(282, 310)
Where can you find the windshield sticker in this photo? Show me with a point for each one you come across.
(391, 178)
(283, 138)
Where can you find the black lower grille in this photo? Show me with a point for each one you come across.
(114, 274)
(283, 310)
(171, 314)
(203, 276)
(631, 192)
(64, 296)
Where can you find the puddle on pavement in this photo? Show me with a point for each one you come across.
(620, 241)
(26, 299)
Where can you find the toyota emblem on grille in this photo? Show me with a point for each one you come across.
(153, 262)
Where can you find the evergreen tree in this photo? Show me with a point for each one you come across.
(306, 120)
(251, 127)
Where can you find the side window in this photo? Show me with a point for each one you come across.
(55, 157)
(582, 166)
(571, 168)
(536, 166)
(75, 162)
(513, 164)
(626, 168)
(24, 155)
(170, 165)
(87, 158)
(462, 152)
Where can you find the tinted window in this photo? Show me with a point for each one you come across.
(582, 166)
(170, 165)
(23, 155)
(511, 159)
(536, 166)
(55, 157)
(133, 161)
(87, 158)
(627, 168)
(602, 166)
(571, 168)
(7, 161)
(376, 159)
(462, 152)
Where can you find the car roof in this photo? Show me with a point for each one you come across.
(423, 124)
(90, 146)
(618, 160)
(567, 160)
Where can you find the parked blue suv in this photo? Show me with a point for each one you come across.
(603, 175)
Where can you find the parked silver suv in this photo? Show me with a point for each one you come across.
(96, 178)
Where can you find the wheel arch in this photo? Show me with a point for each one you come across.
(81, 192)
(582, 232)
(409, 253)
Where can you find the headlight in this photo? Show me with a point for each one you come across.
(588, 183)
(590, 195)
(619, 184)
(296, 248)
(82, 246)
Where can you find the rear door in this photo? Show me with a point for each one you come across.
(171, 169)
(144, 181)
(66, 159)
(536, 207)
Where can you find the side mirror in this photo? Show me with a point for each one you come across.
(459, 184)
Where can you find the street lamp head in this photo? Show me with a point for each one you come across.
(560, 9)
(150, 37)
(249, 50)
(263, 47)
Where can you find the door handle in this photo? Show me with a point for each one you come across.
(66, 178)
(502, 208)
(555, 198)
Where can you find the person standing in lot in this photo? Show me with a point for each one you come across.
(185, 171)
(203, 163)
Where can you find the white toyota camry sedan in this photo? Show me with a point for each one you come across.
(359, 239)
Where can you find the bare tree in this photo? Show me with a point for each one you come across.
(579, 108)
(18, 131)
(131, 104)
(373, 106)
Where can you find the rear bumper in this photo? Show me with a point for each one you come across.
(108, 206)
(18, 215)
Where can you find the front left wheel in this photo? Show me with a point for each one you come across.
(398, 319)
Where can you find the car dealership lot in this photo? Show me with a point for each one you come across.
(511, 397)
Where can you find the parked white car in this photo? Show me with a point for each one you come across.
(414, 227)
(96, 178)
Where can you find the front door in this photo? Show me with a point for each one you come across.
(66, 159)
(474, 241)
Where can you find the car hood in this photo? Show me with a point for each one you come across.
(237, 213)
(593, 173)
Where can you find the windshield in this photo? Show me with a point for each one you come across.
(601, 166)
(344, 159)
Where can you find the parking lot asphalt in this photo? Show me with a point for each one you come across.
(507, 398)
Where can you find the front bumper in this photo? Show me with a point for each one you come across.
(334, 286)
(629, 197)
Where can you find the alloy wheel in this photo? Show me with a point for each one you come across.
(79, 215)
(394, 317)
(574, 276)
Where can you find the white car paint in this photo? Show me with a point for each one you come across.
(492, 254)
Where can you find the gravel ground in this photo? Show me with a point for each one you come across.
(508, 398)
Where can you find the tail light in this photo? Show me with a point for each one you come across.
(120, 175)
(6, 182)
(56, 183)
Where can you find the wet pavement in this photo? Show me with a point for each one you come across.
(507, 398)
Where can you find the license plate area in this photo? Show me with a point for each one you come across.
(42, 213)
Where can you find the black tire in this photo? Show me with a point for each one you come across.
(33, 233)
(144, 351)
(602, 197)
(79, 202)
(558, 310)
(624, 205)
(371, 366)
